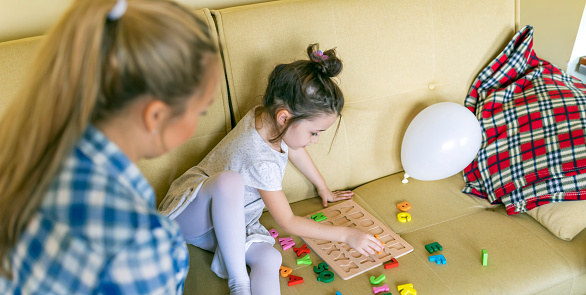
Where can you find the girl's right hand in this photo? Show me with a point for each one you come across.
(362, 242)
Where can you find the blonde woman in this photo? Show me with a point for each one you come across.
(114, 82)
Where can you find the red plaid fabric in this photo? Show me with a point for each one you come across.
(533, 116)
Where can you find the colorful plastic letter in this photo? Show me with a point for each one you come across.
(406, 289)
(383, 288)
(392, 263)
(274, 233)
(404, 217)
(302, 250)
(484, 257)
(439, 259)
(318, 217)
(304, 260)
(435, 246)
(286, 243)
(338, 293)
(326, 276)
(320, 267)
(404, 206)
(285, 271)
(294, 280)
(376, 281)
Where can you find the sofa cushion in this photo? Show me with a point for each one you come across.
(432, 202)
(523, 257)
(565, 220)
(519, 261)
(571, 254)
(399, 57)
(201, 279)
(440, 212)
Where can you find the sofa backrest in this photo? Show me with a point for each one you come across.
(20, 19)
(385, 81)
(15, 57)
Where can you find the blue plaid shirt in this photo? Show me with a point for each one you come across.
(97, 231)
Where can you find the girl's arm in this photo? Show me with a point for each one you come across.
(303, 162)
(277, 203)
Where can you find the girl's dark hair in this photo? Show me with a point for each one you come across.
(305, 89)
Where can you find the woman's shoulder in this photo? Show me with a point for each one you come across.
(98, 207)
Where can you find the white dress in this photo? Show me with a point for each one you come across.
(245, 152)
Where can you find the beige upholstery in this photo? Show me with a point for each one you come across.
(15, 58)
(21, 19)
(399, 57)
(524, 257)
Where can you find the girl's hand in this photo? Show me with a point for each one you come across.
(362, 242)
(329, 196)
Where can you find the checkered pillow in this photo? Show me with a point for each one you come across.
(533, 116)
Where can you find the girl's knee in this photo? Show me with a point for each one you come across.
(271, 259)
(228, 181)
(275, 258)
(229, 176)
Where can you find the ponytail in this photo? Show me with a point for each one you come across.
(87, 68)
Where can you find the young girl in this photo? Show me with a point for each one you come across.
(114, 82)
(219, 202)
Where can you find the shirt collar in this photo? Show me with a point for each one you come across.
(105, 153)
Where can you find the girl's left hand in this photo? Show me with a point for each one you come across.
(329, 196)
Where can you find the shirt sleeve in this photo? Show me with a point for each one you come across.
(264, 175)
(154, 263)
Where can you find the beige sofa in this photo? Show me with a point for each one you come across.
(400, 56)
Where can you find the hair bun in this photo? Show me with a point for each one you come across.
(327, 62)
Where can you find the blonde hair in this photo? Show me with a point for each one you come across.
(86, 70)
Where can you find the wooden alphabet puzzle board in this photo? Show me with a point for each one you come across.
(345, 261)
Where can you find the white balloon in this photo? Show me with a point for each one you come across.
(440, 141)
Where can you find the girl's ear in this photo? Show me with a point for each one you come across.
(154, 115)
(283, 117)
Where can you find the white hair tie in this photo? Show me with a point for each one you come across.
(118, 10)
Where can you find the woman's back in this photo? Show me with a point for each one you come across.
(95, 229)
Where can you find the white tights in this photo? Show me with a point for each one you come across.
(219, 205)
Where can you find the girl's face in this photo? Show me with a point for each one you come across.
(306, 132)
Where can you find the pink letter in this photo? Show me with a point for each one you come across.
(286, 243)
(384, 288)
